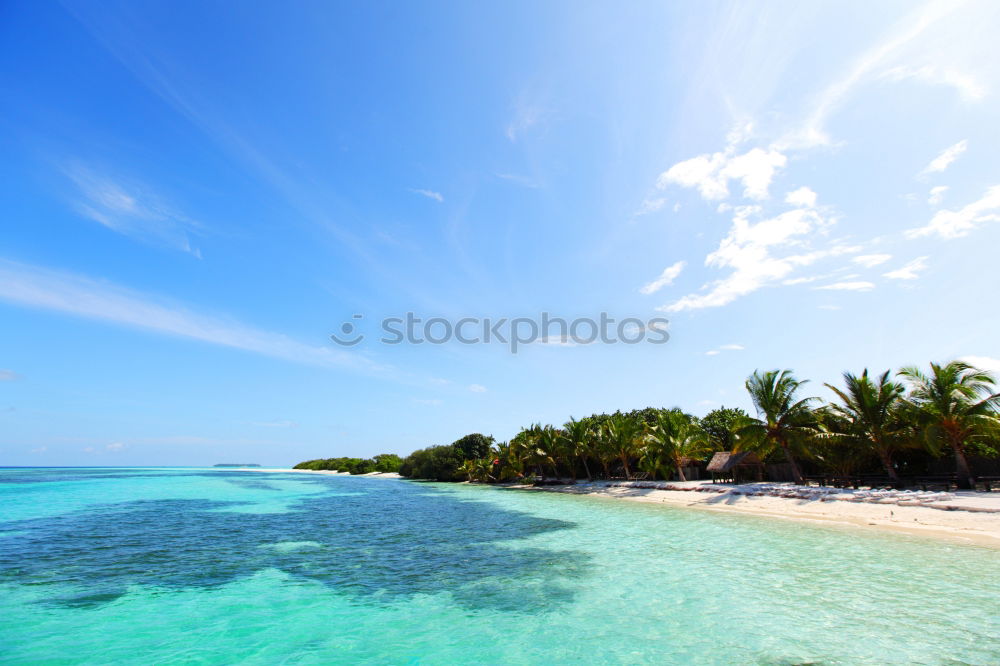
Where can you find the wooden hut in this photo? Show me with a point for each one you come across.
(738, 466)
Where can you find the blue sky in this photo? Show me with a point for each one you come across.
(196, 195)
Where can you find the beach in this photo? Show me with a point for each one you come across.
(969, 517)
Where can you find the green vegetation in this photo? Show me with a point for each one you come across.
(879, 425)
(384, 462)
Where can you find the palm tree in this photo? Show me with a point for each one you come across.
(673, 440)
(622, 437)
(578, 440)
(782, 421)
(870, 415)
(955, 405)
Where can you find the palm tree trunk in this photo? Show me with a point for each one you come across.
(586, 468)
(965, 478)
(796, 474)
(680, 470)
(886, 458)
(628, 474)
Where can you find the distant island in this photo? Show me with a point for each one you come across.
(236, 465)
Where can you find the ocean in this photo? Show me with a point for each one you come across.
(207, 566)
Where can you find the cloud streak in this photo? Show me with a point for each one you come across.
(957, 223)
(430, 194)
(42, 288)
(131, 209)
(666, 278)
(946, 158)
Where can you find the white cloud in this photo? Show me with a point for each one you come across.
(722, 348)
(936, 195)
(666, 278)
(967, 85)
(650, 206)
(909, 271)
(869, 260)
(849, 286)
(828, 307)
(947, 156)
(427, 401)
(8, 376)
(803, 197)
(115, 446)
(527, 114)
(82, 296)
(518, 180)
(131, 209)
(747, 251)
(903, 41)
(88, 449)
(40, 449)
(956, 223)
(430, 194)
(477, 388)
(711, 173)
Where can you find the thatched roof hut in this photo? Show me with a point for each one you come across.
(736, 465)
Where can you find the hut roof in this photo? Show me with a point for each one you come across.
(724, 461)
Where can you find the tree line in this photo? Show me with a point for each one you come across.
(900, 423)
(384, 462)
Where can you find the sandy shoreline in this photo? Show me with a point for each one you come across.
(968, 518)
(326, 472)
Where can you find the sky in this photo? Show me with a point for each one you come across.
(196, 195)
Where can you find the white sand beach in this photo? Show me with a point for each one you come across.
(968, 517)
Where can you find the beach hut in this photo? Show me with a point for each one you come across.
(738, 466)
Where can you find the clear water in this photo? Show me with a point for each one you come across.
(201, 566)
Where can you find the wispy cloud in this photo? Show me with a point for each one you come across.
(803, 197)
(430, 194)
(650, 206)
(956, 223)
(967, 85)
(116, 446)
(477, 388)
(721, 348)
(858, 285)
(750, 251)
(908, 272)
(527, 114)
(936, 195)
(869, 65)
(946, 158)
(523, 181)
(870, 260)
(666, 278)
(711, 173)
(82, 296)
(9, 376)
(131, 208)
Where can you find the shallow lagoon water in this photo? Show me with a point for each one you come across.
(215, 566)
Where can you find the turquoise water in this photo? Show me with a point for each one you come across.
(202, 566)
